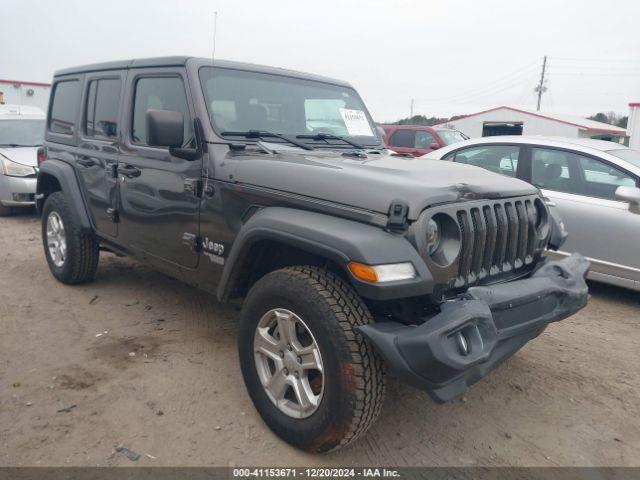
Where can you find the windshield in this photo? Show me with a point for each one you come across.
(21, 132)
(240, 101)
(627, 154)
(451, 136)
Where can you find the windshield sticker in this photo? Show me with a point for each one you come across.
(356, 122)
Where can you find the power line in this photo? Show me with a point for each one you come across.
(595, 60)
(508, 79)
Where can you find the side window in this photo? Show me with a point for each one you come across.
(66, 98)
(602, 180)
(101, 116)
(502, 159)
(159, 93)
(403, 138)
(570, 172)
(424, 139)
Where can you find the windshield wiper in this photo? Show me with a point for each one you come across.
(329, 136)
(264, 134)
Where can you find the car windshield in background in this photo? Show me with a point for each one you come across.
(21, 132)
(451, 136)
(627, 154)
(240, 101)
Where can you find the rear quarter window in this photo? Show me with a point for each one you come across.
(64, 107)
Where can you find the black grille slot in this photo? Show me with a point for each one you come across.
(496, 238)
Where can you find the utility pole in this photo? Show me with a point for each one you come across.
(540, 89)
(411, 109)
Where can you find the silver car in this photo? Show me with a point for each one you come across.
(21, 133)
(593, 183)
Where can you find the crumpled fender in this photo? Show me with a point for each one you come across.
(558, 234)
(337, 239)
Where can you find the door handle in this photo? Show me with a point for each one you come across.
(86, 162)
(129, 171)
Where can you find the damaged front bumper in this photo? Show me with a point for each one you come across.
(477, 331)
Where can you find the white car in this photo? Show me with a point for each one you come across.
(21, 133)
(593, 183)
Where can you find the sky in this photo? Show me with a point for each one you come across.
(449, 57)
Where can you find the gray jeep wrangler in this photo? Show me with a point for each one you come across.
(273, 188)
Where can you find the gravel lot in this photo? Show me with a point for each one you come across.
(164, 381)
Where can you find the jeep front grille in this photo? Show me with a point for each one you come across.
(498, 238)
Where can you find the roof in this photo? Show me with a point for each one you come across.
(22, 111)
(406, 127)
(568, 142)
(576, 121)
(20, 82)
(198, 61)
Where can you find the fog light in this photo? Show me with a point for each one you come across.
(463, 344)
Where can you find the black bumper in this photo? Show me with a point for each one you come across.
(484, 326)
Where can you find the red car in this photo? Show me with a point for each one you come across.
(418, 140)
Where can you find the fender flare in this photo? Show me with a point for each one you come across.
(337, 239)
(66, 177)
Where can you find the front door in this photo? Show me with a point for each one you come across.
(159, 212)
(600, 227)
(98, 151)
(403, 140)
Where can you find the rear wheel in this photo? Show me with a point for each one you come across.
(72, 254)
(313, 378)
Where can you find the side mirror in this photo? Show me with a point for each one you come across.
(630, 195)
(434, 146)
(165, 128)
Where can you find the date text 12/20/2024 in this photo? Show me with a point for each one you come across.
(315, 473)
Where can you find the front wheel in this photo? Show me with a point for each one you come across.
(72, 254)
(313, 378)
(5, 211)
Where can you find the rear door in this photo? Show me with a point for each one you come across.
(600, 227)
(98, 152)
(159, 212)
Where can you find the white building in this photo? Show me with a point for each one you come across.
(515, 121)
(16, 92)
(633, 125)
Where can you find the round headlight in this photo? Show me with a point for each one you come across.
(433, 236)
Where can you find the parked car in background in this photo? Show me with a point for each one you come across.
(418, 140)
(593, 183)
(21, 133)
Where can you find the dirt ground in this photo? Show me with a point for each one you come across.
(140, 360)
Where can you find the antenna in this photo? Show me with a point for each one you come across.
(215, 31)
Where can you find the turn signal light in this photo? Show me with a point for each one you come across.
(363, 272)
(391, 272)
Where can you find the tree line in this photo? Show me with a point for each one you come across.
(612, 118)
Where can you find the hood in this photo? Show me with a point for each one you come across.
(24, 155)
(370, 183)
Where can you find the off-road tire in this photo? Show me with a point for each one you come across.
(354, 376)
(5, 211)
(83, 251)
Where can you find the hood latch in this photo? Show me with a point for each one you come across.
(398, 212)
